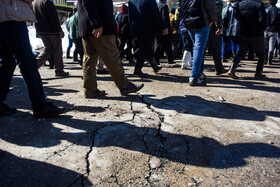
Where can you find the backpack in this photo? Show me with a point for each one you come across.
(192, 14)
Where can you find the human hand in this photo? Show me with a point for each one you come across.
(218, 32)
(61, 34)
(165, 32)
(97, 32)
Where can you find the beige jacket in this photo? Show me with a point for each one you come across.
(16, 10)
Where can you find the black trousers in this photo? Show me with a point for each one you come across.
(163, 44)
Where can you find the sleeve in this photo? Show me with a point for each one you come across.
(153, 8)
(262, 16)
(92, 12)
(165, 16)
(210, 7)
(53, 17)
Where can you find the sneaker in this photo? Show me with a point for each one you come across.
(131, 88)
(96, 94)
(103, 71)
(196, 82)
(260, 76)
(221, 72)
(61, 74)
(48, 110)
(5, 110)
(232, 75)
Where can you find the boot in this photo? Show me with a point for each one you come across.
(75, 57)
(155, 66)
(270, 57)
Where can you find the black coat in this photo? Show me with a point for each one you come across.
(93, 14)
(47, 18)
(231, 26)
(144, 18)
(252, 17)
(164, 10)
(273, 19)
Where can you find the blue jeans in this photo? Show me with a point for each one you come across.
(199, 38)
(15, 49)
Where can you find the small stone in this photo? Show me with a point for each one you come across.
(92, 114)
(155, 163)
(270, 142)
(221, 98)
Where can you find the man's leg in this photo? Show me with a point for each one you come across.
(244, 46)
(46, 52)
(199, 39)
(14, 35)
(89, 67)
(106, 47)
(257, 44)
(215, 47)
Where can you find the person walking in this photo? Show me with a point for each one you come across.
(164, 43)
(198, 16)
(272, 30)
(15, 49)
(49, 30)
(252, 17)
(74, 35)
(231, 26)
(97, 27)
(124, 34)
(214, 41)
(146, 23)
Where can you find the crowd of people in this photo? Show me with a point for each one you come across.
(143, 30)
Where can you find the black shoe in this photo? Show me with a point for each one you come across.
(141, 74)
(48, 110)
(196, 82)
(131, 61)
(76, 60)
(61, 74)
(103, 71)
(5, 110)
(156, 71)
(96, 94)
(221, 72)
(260, 76)
(131, 88)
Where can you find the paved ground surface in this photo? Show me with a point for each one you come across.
(170, 134)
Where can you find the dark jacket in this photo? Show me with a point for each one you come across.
(273, 19)
(230, 25)
(93, 14)
(123, 23)
(252, 17)
(164, 11)
(47, 18)
(144, 18)
(197, 14)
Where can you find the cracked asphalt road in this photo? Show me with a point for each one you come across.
(170, 134)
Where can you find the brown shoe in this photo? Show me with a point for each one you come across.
(232, 75)
(96, 94)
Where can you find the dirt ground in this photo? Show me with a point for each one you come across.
(169, 134)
